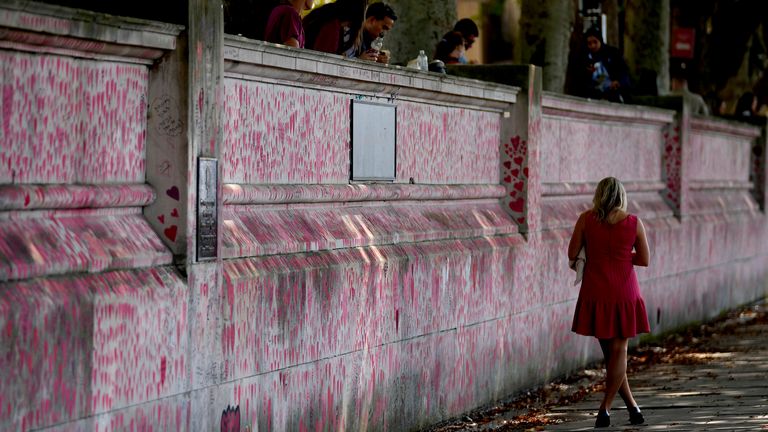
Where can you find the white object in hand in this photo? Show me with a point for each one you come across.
(577, 265)
(377, 43)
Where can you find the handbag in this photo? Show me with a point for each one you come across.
(577, 265)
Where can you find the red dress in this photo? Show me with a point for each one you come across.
(609, 302)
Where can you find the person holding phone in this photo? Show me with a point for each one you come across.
(604, 74)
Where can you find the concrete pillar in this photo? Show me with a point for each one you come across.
(206, 97)
(520, 168)
(205, 130)
(646, 45)
(545, 32)
(420, 25)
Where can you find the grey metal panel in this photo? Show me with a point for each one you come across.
(207, 223)
(373, 141)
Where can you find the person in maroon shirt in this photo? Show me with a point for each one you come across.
(284, 24)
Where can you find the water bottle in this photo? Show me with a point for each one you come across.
(377, 44)
(423, 62)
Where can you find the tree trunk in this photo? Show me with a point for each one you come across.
(420, 25)
(646, 45)
(545, 27)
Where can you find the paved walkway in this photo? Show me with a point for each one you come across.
(723, 385)
(711, 378)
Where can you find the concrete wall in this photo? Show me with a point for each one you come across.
(92, 315)
(331, 304)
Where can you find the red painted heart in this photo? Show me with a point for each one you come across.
(508, 179)
(515, 172)
(521, 220)
(26, 200)
(518, 160)
(519, 186)
(517, 205)
(161, 218)
(507, 164)
(173, 192)
(175, 213)
(170, 232)
(525, 171)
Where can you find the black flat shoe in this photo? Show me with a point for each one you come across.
(603, 419)
(635, 416)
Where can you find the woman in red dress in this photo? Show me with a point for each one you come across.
(610, 307)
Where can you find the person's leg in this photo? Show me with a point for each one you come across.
(616, 370)
(624, 391)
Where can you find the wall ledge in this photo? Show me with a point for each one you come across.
(729, 127)
(58, 196)
(42, 25)
(36, 247)
(250, 231)
(720, 184)
(588, 188)
(240, 194)
(576, 107)
(257, 60)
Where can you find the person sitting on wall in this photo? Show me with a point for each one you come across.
(604, 74)
(450, 49)
(284, 24)
(336, 27)
(469, 32)
(379, 19)
(679, 87)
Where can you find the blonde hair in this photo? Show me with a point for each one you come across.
(609, 195)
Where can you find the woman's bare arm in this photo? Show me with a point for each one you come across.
(642, 255)
(577, 239)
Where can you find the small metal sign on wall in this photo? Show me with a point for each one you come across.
(373, 141)
(207, 215)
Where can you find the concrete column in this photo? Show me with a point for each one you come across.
(759, 175)
(205, 129)
(646, 45)
(206, 101)
(519, 155)
(420, 25)
(675, 162)
(545, 32)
